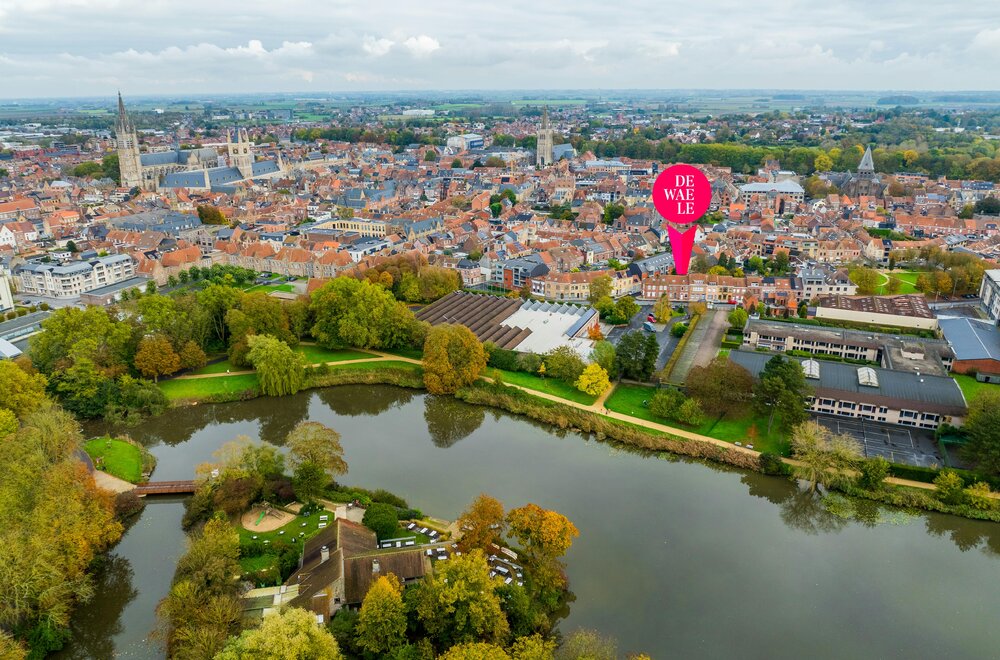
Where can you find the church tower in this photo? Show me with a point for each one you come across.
(241, 153)
(127, 145)
(543, 147)
(866, 169)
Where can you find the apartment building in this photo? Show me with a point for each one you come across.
(781, 292)
(75, 278)
(825, 282)
(989, 295)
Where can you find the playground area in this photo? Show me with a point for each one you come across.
(265, 518)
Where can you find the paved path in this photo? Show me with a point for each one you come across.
(110, 483)
(701, 346)
(718, 320)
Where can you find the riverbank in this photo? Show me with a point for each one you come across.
(605, 424)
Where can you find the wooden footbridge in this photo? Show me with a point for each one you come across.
(165, 488)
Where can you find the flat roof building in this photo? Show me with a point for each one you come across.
(872, 393)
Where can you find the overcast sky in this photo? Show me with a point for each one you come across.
(95, 47)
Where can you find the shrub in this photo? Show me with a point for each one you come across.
(529, 363)
(690, 413)
(771, 463)
(873, 473)
(950, 487)
(502, 358)
(383, 496)
(679, 329)
(381, 519)
(666, 402)
(128, 504)
(978, 496)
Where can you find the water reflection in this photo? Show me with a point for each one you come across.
(663, 539)
(450, 420)
(376, 400)
(94, 628)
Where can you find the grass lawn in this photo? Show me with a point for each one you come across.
(908, 277)
(121, 459)
(197, 388)
(723, 352)
(412, 353)
(970, 386)
(383, 364)
(552, 386)
(270, 288)
(308, 526)
(627, 399)
(317, 354)
(217, 368)
(254, 564)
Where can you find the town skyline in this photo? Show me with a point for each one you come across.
(74, 47)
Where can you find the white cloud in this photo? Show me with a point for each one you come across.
(422, 45)
(88, 47)
(377, 47)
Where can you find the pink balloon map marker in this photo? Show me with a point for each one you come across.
(681, 194)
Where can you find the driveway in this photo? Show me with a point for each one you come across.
(702, 345)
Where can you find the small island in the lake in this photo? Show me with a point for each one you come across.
(382, 578)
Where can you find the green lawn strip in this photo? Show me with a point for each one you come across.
(412, 353)
(270, 288)
(552, 386)
(217, 368)
(374, 366)
(970, 386)
(291, 530)
(121, 459)
(251, 565)
(628, 400)
(197, 388)
(317, 354)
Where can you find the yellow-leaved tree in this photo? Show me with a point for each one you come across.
(453, 358)
(594, 380)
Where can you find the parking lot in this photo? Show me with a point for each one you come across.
(898, 444)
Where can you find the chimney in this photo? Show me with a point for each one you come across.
(324, 554)
(375, 566)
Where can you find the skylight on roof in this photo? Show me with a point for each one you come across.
(867, 377)
(811, 368)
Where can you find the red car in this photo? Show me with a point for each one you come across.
(651, 318)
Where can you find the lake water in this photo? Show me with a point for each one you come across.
(674, 558)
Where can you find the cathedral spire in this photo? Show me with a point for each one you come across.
(123, 121)
(545, 116)
(867, 164)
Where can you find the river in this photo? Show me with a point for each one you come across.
(674, 558)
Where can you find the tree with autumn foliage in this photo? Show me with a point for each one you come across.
(453, 358)
(482, 524)
(156, 357)
(382, 621)
(316, 456)
(55, 522)
(460, 603)
(545, 536)
(594, 380)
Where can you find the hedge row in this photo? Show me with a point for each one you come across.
(567, 417)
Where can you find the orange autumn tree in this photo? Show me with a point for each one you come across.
(482, 524)
(545, 536)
